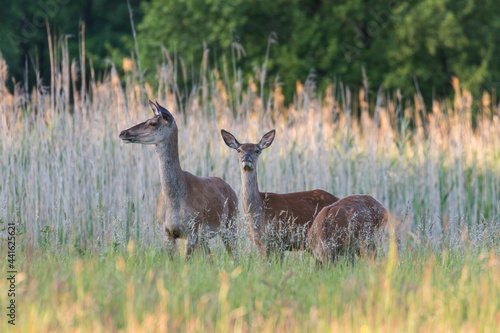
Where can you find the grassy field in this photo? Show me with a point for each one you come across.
(143, 290)
(90, 256)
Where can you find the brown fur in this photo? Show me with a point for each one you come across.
(301, 206)
(292, 212)
(207, 201)
(344, 225)
(188, 206)
(276, 220)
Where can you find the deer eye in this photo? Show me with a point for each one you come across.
(238, 150)
(257, 151)
(152, 124)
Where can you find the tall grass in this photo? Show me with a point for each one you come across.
(67, 178)
(141, 290)
(90, 252)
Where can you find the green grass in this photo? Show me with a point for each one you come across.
(80, 199)
(142, 289)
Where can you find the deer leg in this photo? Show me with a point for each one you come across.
(271, 241)
(228, 235)
(228, 230)
(192, 240)
(170, 244)
(228, 241)
(281, 254)
(332, 254)
(270, 250)
(373, 248)
(203, 245)
(324, 253)
(275, 251)
(373, 251)
(318, 264)
(352, 253)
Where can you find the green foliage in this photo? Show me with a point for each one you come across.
(395, 41)
(143, 290)
(23, 32)
(304, 35)
(440, 38)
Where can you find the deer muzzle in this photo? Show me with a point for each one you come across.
(124, 135)
(247, 163)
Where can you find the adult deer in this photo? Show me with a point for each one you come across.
(188, 206)
(346, 226)
(277, 221)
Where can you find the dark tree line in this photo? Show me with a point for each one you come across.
(23, 32)
(397, 42)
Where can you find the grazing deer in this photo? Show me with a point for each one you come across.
(345, 227)
(274, 217)
(188, 206)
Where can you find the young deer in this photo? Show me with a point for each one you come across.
(188, 206)
(274, 217)
(346, 226)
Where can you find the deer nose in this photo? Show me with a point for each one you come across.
(247, 162)
(122, 134)
(247, 158)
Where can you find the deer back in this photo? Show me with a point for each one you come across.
(347, 219)
(299, 208)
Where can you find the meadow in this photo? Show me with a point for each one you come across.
(90, 255)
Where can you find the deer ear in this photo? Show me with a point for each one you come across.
(165, 114)
(154, 108)
(267, 139)
(230, 140)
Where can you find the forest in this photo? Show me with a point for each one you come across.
(401, 45)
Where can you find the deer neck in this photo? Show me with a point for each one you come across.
(250, 196)
(173, 181)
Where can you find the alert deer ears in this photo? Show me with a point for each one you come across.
(230, 140)
(267, 139)
(161, 111)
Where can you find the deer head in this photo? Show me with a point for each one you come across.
(156, 130)
(248, 153)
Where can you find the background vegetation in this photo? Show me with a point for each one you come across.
(141, 290)
(90, 255)
(397, 42)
